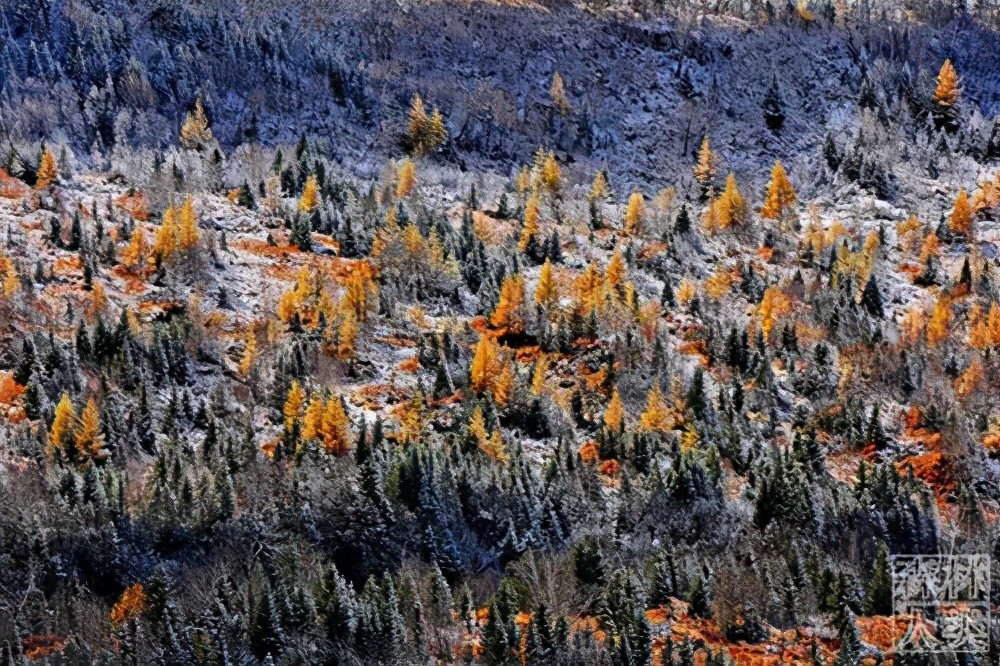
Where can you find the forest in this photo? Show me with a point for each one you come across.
(612, 332)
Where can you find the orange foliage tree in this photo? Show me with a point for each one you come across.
(962, 215)
(780, 195)
(508, 312)
(129, 605)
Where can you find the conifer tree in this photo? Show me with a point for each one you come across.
(48, 170)
(656, 415)
(614, 413)
(335, 427)
(774, 106)
(406, 178)
(946, 97)
(780, 195)
(871, 299)
(310, 195)
(529, 230)
(63, 428)
(485, 365)
(249, 355)
(731, 208)
(88, 436)
(166, 236)
(188, 235)
(634, 213)
(546, 292)
(507, 314)
(962, 215)
(195, 132)
(705, 169)
(557, 91)
(294, 403)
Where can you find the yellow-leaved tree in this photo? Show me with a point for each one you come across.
(188, 235)
(599, 188)
(731, 208)
(89, 442)
(426, 133)
(166, 236)
(615, 275)
(195, 132)
(509, 309)
(310, 195)
(63, 429)
(780, 195)
(546, 292)
(137, 250)
(947, 91)
(634, 213)
(656, 415)
(530, 228)
(336, 428)
(406, 178)
(249, 352)
(48, 170)
(962, 215)
(550, 174)
(614, 413)
(557, 91)
(294, 404)
(940, 322)
(773, 307)
(486, 365)
(707, 165)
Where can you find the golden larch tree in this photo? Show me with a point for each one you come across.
(546, 292)
(772, 309)
(137, 250)
(614, 413)
(294, 403)
(485, 365)
(310, 195)
(508, 312)
(195, 132)
(48, 170)
(166, 236)
(590, 289)
(962, 215)
(89, 442)
(732, 209)
(477, 426)
(63, 428)
(705, 169)
(599, 188)
(494, 448)
(249, 355)
(312, 422)
(129, 605)
(656, 415)
(780, 194)
(634, 213)
(557, 91)
(615, 275)
(188, 235)
(940, 322)
(551, 175)
(406, 178)
(336, 428)
(503, 386)
(530, 227)
(948, 89)
(347, 336)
